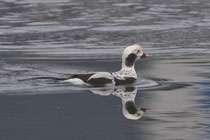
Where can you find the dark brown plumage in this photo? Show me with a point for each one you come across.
(128, 80)
(130, 60)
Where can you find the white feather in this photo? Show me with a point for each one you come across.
(131, 49)
(75, 81)
(106, 75)
(124, 73)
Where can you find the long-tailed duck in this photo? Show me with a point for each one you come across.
(127, 74)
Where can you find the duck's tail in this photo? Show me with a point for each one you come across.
(45, 78)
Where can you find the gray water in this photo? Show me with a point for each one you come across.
(57, 38)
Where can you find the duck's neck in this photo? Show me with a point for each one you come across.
(128, 71)
(125, 72)
(125, 67)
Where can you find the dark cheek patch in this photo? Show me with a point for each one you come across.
(131, 107)
(130, 60)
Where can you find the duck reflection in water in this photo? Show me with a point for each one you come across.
(127, 95)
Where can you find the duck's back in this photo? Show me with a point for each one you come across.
(101, 79)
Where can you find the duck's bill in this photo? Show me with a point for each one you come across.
(145, 55)
(145, 109)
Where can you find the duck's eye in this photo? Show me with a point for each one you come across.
(138, 51)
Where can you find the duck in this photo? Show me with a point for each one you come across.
(126, 75)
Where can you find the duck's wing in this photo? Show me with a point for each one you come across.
(83, 77)
(101, 79)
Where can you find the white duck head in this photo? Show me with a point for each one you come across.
(131, 54)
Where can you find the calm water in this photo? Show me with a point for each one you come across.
(57, 38)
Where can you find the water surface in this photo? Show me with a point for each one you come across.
(57, 38)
